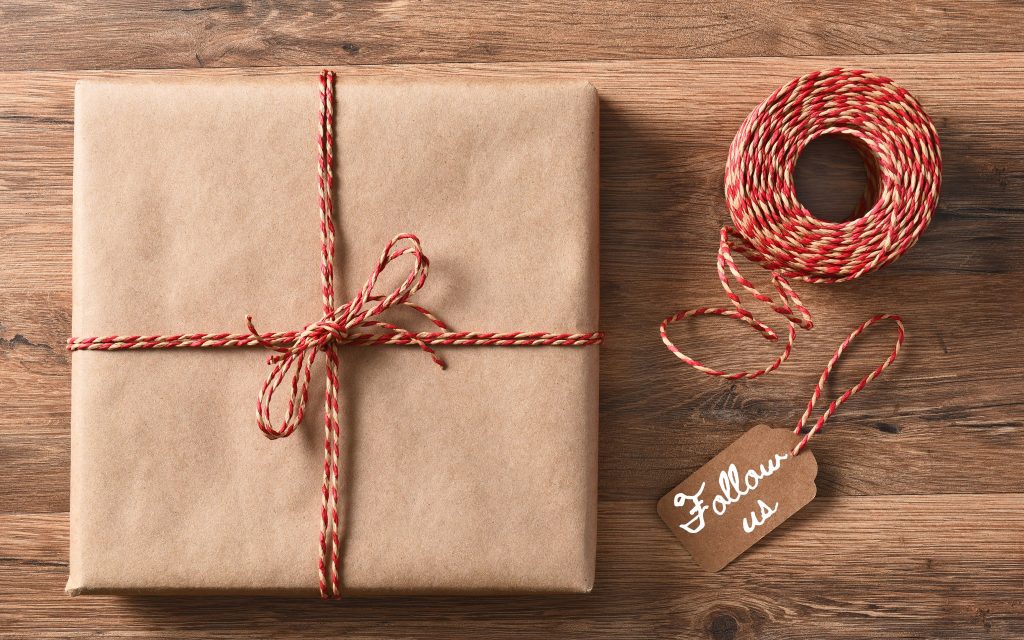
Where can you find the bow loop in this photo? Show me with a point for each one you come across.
(400, 245)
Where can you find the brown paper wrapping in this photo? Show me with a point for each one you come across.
(195, 203)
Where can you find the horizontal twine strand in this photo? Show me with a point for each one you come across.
(287, 338)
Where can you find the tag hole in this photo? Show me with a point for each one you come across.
(832, 178)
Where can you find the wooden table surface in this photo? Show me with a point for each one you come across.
(917, 530)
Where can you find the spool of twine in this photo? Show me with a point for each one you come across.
(900, 148)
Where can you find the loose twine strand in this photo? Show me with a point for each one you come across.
(900, 148)
(355, 322)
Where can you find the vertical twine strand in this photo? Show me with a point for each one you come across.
(325, 188)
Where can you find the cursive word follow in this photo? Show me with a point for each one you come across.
(732, 489)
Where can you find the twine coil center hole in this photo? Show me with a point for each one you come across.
(835, 178)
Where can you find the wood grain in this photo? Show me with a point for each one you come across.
(661, 204)
(86, 34)
(917, 532)
(833, 566)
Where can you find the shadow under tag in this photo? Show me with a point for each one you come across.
(739, 497)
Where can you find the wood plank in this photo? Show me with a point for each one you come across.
(952, 403)
(84, 34)
(862, 560)
(828, 572)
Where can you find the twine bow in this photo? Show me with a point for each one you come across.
(336, 328)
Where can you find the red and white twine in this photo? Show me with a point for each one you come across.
(900, 148)
(355, 322)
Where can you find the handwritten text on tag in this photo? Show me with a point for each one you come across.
(746, 491)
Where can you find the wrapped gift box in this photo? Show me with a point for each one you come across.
(195, 204)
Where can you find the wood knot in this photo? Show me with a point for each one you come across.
(886, 427)
(723, 627)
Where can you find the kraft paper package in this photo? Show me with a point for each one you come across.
(195, 204)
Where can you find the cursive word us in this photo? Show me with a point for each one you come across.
(732, 489)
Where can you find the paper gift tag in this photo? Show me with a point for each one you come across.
(739, 497)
